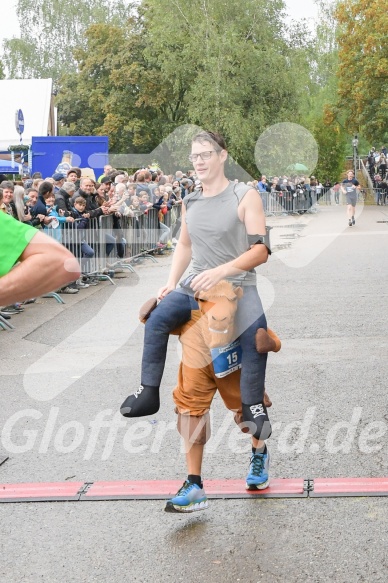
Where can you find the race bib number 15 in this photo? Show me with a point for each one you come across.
(226, 359)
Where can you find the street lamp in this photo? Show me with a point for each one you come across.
(355, 154)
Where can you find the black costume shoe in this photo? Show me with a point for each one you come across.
(256, 417)
(145, 401)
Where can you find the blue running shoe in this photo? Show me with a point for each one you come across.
(258, 478)
(189, 498)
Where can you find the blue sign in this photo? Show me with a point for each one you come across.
(19, 121)
(81, 151)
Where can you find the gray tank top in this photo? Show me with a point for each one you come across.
(216, 232)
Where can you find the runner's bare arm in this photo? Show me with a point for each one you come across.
(44, 266)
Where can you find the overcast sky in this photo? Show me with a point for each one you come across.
(296, 9)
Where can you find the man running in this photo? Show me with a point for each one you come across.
(351, 187)
(223, 236)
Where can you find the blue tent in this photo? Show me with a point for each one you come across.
(6, 167)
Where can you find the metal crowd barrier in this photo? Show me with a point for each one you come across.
(76, 238)
(142, 232)
(292, 203)
(173, 215)
(285, 203)
(88, 245)
(380, 196)
(112, 240)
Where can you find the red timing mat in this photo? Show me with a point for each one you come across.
(164, 489)
(325, 487)
(40, 492)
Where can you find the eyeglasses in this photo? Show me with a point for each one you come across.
(203, 155)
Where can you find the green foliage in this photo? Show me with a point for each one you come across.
(332, 141)
(50, 30)
(138, 74)
(322, 118)
(234, 73)
(363, 67)
(218, 65)
(102, 97)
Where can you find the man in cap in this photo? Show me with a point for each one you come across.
(106, 183)
(59, 180)
(74, 175)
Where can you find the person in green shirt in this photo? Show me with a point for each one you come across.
(44, 266)
(107, 169)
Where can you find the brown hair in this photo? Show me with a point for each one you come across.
(45, 188)
(80, 200)
(214, 138)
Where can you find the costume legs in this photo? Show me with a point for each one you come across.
(249, 318)
(173, 311)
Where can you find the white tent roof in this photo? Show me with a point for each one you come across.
(33, 97)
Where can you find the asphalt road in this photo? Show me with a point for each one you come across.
(65, 370)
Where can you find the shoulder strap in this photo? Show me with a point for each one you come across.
(240, 189)
(195, 195)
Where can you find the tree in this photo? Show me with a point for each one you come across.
(113, 92)
(363, 67)
(331, 140)
(223, 66)
(227, 66)
(216, 65)
(319, 110)
(51, 29)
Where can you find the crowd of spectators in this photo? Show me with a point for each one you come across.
(54, 203)
(376, 164)
(62, 201)
(292, 194)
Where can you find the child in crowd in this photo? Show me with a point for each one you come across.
(131, 192)
(81, 247)
(144, 201)
(163, 205)
(155, 194)
(135, 206)
(82, 224)
(54, 226)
